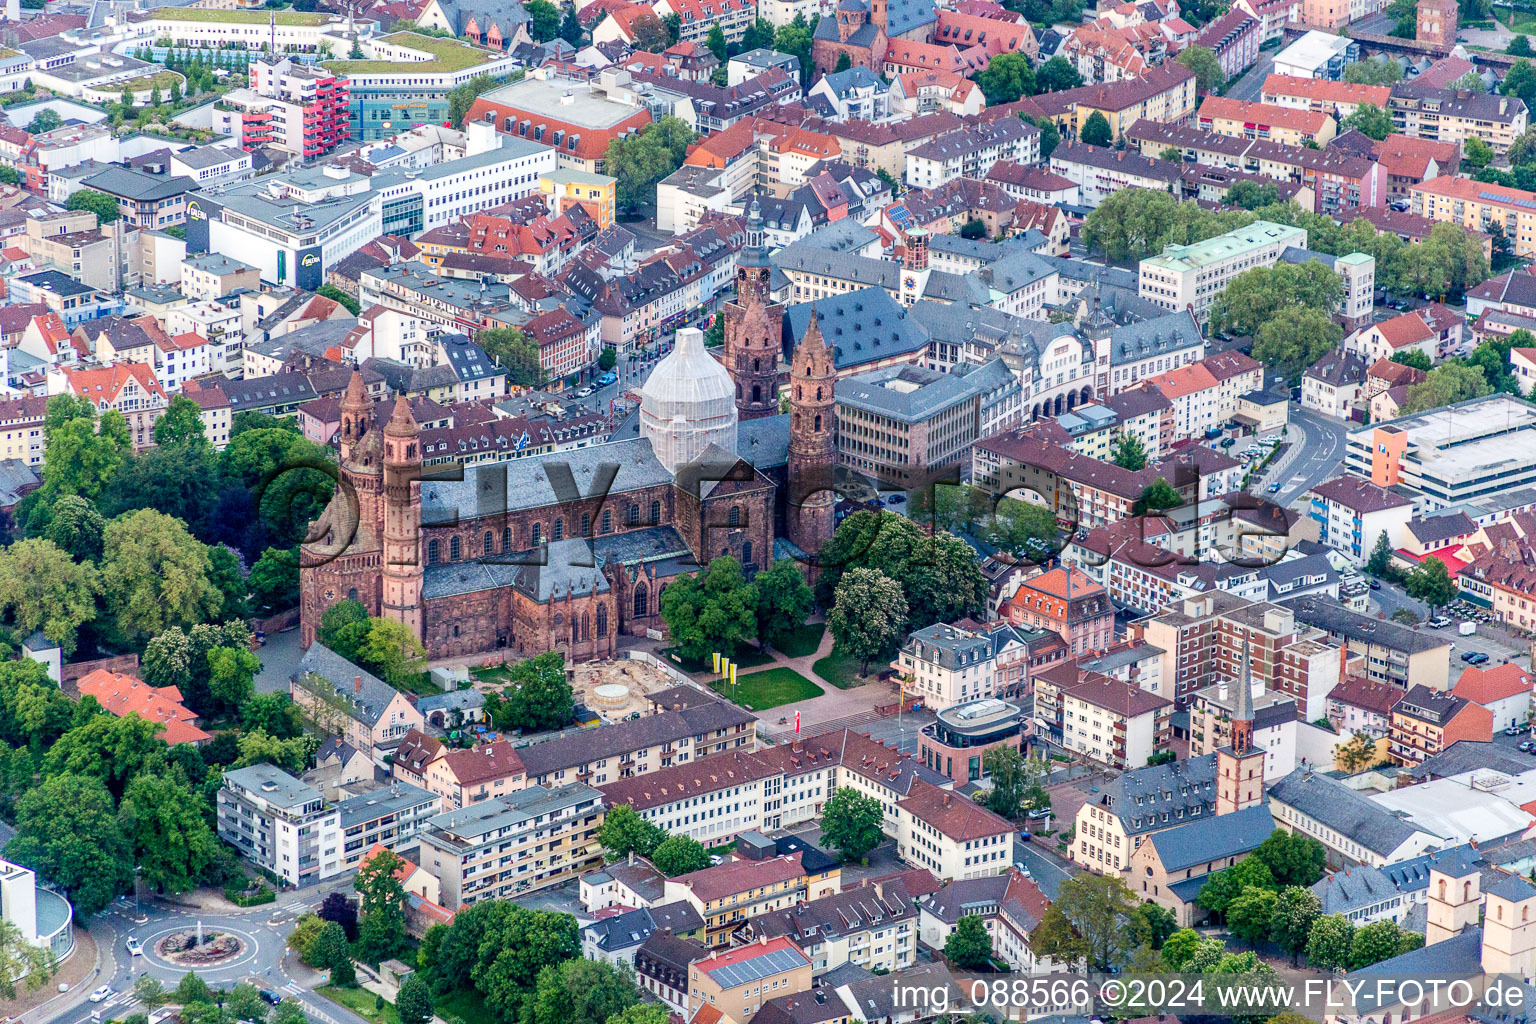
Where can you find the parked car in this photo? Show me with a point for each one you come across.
(1479, 658)
(1467, 656)
(585, 392)
(1375, 584)
(1526, 747)
(1274, 488)
(1513, 730)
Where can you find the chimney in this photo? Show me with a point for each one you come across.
(631, 858)
(357, 684)
(762, 940)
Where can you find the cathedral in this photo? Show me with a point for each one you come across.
(569, 550)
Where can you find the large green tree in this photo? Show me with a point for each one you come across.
(1295, 341)
(1296, 910)
(712, 611)
(1205, 64)
(624, 832)
(1006, 78)
(851, 823)
(154, 575)
(1225, 886)
(511, 349)
(1096, 131)
(381, 926)
(1370, 120)
(1292, 858)
(537, 695)
(1258, 296)
(1097, 907)
(783, 601)
(105, 207)
(1447, 384)
(937, 573)
(678, 855)
(165, 823)
(641, 159)
(868, 615)
(969, 947)
(1430, 581)
(42, 587)
(68, 832)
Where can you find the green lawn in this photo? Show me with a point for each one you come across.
(843, 672)
(462, 1006)
(361, 1002)
(803, 642)
(289, 18)
(447, 55)
(760, 691)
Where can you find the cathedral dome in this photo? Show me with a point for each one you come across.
(687, 404)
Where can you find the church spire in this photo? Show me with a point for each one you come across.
(754, 343)
(1242, 707)
(809, 510)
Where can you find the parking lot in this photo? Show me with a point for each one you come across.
(1490, 639)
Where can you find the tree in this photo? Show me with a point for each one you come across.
(938, 573)
(328, 951)
(305, 930)
(520, 945)
(543, 20)
(180, 424)
(192, 989)
(1057, 74)
(1224, 886)
(538, 695)
(1373, 72)
(1021, 528)
(1006, 78)
(1134, 223)
(1055, 937)
(1446, 263)
(337, 907)
(81, 454)
(1179, 948)
(1096, 906)
(1250, 913)
(868, 615)
(232, 675)
(609, 359)
(1447, 384)
(511, 349)
(381, 927)
(76, 527)
(1156, 497)
(414, 1000)
(1096, 130)
(1520, 46)
(1152, 925)
(624, 832)
(291, 755)
(67, 831)
(1369, 120)
(1378, 941)
(678, 855)
(1292, 858)
(969, 947)
(1476, 153)
(1017, 782)
(783, 601)
(112, 749)
(1520, 80)
(650, 34)
(1295, 341)
(393, 650)
(274, 580)
(1381, 556)
(1296, 910)
(1357, 754)
(1430, 581)
(1416, 358)
(1206, 66)
(641, 159)
(244, 1003)
(712, 611)
(758, 35)
(165, 823)
(149, 991)
(579, 991)
(1256, 297)
(1050, 135)
(462, 97)
(1252, 196)
(795, 39)
(570, 25)
(1129, 452)
(154, 575)
(714, 42)
(42, 587)
(641, 1013)
(851, 822)
(46, 120)
(102, 205)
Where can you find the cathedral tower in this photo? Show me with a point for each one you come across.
(811, 502)
(753, 338)
(402, 569)
(1240, 765)
(355, 410)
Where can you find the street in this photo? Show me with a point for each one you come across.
(1251, 86)
(1316, 452)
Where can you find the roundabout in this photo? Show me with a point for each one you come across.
(223, 948)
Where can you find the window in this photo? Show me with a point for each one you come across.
(607, 521)
(432, 560)
(506, 540)
(558, 533)
(454, 549)
(734, 517)
(586, 524)
(655, 513)
(488, 543)
(602, 621)
(536, 535)
(642, 596)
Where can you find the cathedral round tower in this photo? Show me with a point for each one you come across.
(810, 507)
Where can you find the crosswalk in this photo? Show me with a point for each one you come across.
(293, 989)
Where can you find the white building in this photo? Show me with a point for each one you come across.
(1191, 276)
(280, 824)
(497, 169)
(971, 152)
(944, 666)
(1351, 513)
(1314, 55)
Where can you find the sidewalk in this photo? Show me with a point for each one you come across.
(93, 950)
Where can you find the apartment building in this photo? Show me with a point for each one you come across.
(391, 816)
(637, 746)
(348, 702)
(1291, 126)
(1336, 99)
(1392, 653)
(971, 152)
(735, 983)
(1451, 115)
(1477, 206)
(1010, 906)
(1352, 513)
(280, 824)
(1359, 706)
(1274, 724)
(1110, 827)
(873, 925)
(1068, 603)
(946, 665)
(1427, 721)
(1098, 172)
(458, 777)
(128, 388)
(728, 895)
(1108, 720)
(1191, 276)
(507, 846)
(306, 108)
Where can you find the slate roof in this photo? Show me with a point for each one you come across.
(1160, 796)
(1469, 756)
(1143, 338)
(1459, 956)
(1340, 808)
(1212, 838)
(368, 702)
(839, 914)
(860, 327)
(1441, 528)
(1340, 621)
(635, 734)
(490, 488)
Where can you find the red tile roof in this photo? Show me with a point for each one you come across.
(124, 695)
(952, 814)
(1484, 686)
